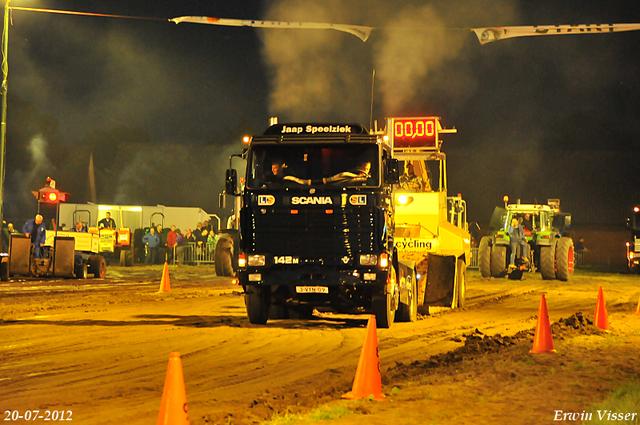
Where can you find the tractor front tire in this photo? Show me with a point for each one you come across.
(223, 256)
(548, 261)
(484, 256)
(498, 260)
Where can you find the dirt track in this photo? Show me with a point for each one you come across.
(100, 350)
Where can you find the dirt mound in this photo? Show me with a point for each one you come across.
(478, 343)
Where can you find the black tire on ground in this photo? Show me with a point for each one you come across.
(484, 256)
(383, 306)
(4, 269)
(548, 261)
(461, 273)
(97, 266)
(498, 260)
(564, 259)
(81, 271)
(123, 258)
(258, 303)
(223, 256)
(409, 312)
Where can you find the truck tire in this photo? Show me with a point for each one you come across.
(461, 289)
(548, 261)
(409, 312)
(564, 259)
(498, 260)
(258, 303)
(97, 266)
(384, 307)
(223, 256)
(484, 256)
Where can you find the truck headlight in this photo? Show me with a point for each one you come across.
(368, 259)
(256, 260)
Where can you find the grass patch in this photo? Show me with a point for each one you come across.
(624, 400)
(318, 414)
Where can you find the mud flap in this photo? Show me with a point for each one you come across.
(440, 281)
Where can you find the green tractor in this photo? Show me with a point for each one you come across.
(548, 249)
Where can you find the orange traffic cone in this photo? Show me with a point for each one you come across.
(164, 282)
(543, 340)
(368, 382)
(638, 309)
(173, 409)
(600, 317)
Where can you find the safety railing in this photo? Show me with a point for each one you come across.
(194, 254)
(473, 264)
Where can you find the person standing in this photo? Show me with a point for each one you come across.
(180, 240)
(152, 242)
(516, 235)
(107, 222)
(35, 229)
(171, 244)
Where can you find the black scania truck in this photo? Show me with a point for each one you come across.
(315, 225)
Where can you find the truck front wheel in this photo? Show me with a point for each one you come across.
(384, 306)
(258, 302)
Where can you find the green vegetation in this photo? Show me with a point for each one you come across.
(624, 400)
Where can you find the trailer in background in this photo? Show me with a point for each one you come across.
(124, 244)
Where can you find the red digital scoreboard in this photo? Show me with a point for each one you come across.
(414, 133)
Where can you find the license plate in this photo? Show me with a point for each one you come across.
(312, 289)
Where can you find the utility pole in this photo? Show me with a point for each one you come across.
(3, 123)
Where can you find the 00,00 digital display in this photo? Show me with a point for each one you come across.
(416, 132)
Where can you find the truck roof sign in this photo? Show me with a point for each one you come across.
(314, 129)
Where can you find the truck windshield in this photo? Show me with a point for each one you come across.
(296, 165)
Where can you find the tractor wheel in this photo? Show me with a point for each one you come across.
(258, 303)
(97, 266)
(564, 259)
(498, 260)
(384, 306)
(81, 271)
(484, 256)
(223, 256)
(548, 261)
(461, 273)
(409, 312)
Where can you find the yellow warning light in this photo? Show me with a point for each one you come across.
(636, 209)
(505, 198)
(246, 139)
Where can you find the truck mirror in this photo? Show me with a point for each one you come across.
(392, 174)
(567, 220)
(231, 181)
(222, 201)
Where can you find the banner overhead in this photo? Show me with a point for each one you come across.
(488, 35)
(359, 31)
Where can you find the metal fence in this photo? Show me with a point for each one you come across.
(602, 260)
(194, 254)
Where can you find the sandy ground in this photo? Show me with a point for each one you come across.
(100, 349)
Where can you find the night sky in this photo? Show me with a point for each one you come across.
(161, 106)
